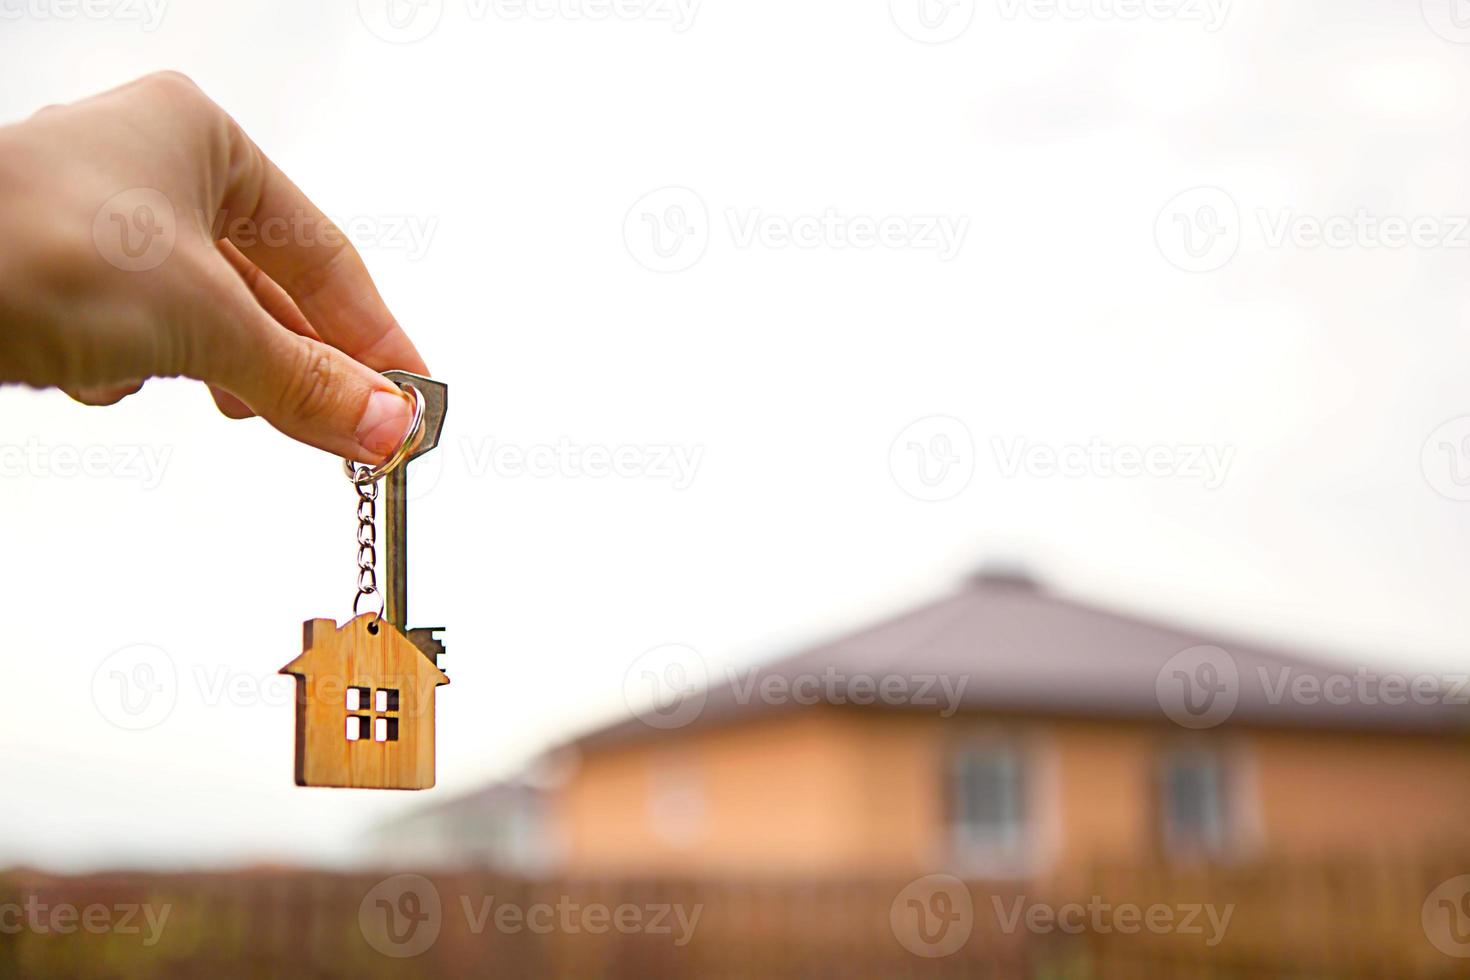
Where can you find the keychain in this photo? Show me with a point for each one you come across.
(365, 690)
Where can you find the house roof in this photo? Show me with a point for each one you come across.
(322, 643)
(1004, 644)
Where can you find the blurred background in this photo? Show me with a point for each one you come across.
(913, 468)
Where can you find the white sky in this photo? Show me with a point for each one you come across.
(524, 143)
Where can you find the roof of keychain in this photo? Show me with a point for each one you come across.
(365, 689)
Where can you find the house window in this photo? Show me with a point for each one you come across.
(1193, 800)
(988, 791)
(382, 724)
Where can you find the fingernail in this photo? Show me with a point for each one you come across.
(384, 423)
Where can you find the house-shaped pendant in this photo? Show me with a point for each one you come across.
(364, 706)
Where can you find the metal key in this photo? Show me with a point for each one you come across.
(436, 399)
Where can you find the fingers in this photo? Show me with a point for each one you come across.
(302, 386)
(104, 394)
(280, 231)
(229, 406)
(277, 302)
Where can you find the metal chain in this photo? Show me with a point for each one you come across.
(367, 542)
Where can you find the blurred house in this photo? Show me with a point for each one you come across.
(505, 826)
(1001, 731)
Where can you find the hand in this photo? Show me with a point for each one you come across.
(147, 236)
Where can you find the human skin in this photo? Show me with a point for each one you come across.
(143, 234)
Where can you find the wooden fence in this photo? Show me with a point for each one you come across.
(1285, 921)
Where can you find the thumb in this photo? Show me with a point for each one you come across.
(314, 393)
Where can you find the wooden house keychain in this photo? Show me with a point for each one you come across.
(365, 690)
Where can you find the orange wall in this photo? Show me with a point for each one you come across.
(834, 791)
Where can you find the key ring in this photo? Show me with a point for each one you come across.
(361, 474)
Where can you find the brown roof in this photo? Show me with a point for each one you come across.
(1018, 648)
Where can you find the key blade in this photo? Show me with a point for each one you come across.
(395, 585)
